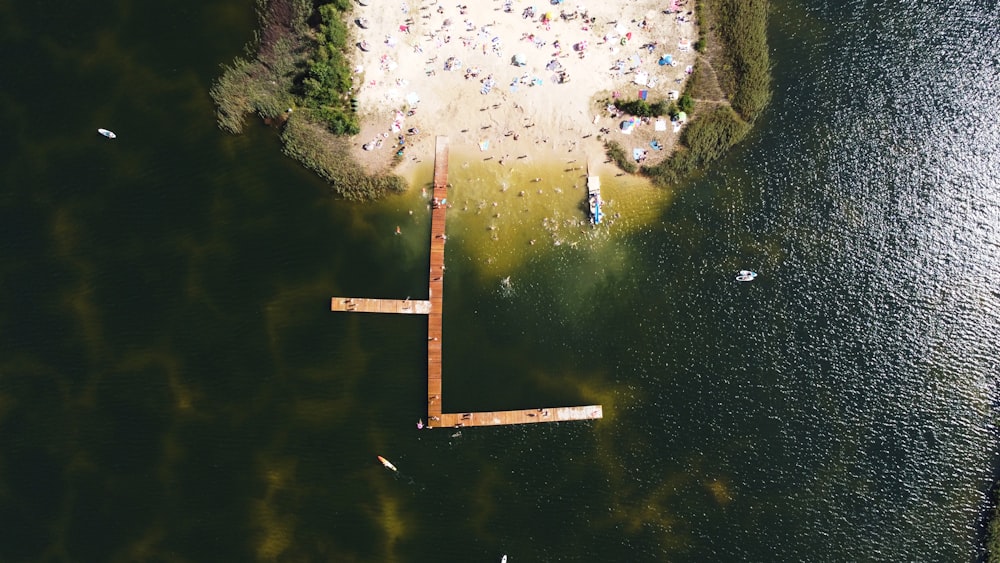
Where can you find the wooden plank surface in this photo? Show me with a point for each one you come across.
(434, 309)
(525, 416)
(435, 288)
(368, 305)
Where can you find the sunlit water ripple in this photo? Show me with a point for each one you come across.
(173, 387)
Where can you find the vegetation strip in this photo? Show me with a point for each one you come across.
(302, 77)
(740, 68)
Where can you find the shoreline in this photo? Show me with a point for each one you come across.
(519, 81)
(591, 84)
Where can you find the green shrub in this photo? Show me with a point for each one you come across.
(240, 91)
(293, 67)
(633, 107)
(327, 82)
(342, 5)
(700, 45)
(329, 156)
(704, 140)
(338, 121)
(640, 108)
(685, 103)
(743, 26)
(660, 107)
(618, 155)
(333, 28)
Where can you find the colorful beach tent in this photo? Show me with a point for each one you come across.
(628, 125)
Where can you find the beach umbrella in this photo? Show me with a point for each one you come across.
(666, 59)
(519, 59)
(682, 116)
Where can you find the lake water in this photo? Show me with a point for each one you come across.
(174, 388)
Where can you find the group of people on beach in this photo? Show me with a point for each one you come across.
(550, 30)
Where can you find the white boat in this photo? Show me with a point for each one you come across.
(594, 199)
(503, 559)
(746, 276)
(107, 133)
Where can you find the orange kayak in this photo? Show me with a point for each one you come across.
(388, 464)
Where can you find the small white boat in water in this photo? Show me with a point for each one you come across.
(107, 133)
(746, 276)
(503, 559)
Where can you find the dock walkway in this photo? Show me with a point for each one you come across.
(434, 309)
(439, 207)
(367, 305)
(525, 416)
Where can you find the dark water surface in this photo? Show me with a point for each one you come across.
(173, 388)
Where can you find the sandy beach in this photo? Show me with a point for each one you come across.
(513, 81)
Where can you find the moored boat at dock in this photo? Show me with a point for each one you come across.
(594, 198)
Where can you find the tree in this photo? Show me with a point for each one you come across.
(685, 104)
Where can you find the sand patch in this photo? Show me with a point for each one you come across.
(511, 83)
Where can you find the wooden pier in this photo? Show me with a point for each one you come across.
(434, 308)
(439, 206)
(366, 305)
(526, 416)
